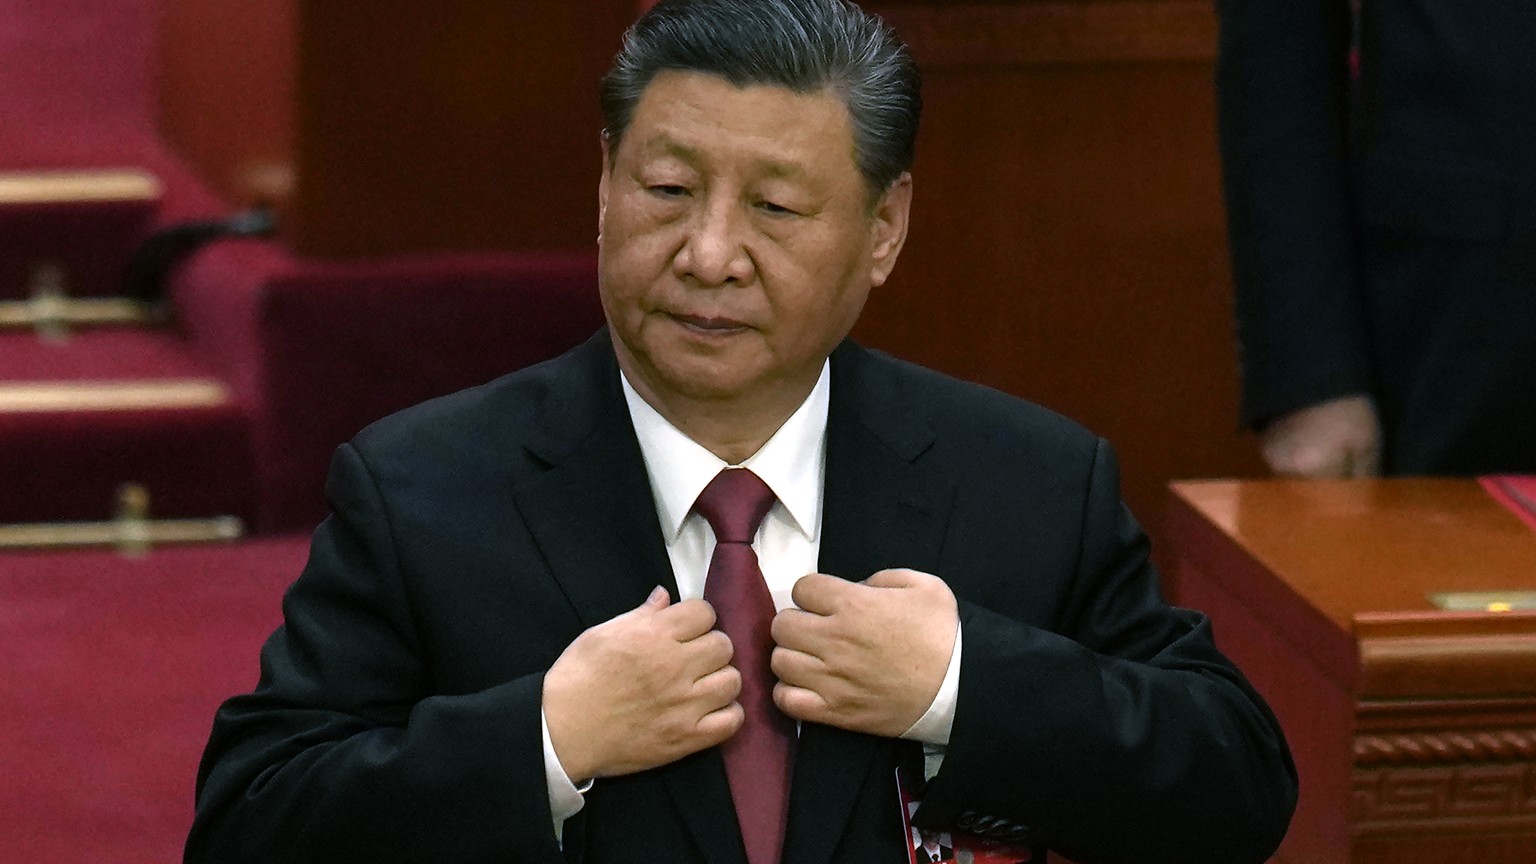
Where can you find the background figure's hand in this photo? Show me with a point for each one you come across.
(1337, 438)
(867, 656)
(643, 689)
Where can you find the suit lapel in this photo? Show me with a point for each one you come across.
(591, 513)
(594, 519)
(883, 508)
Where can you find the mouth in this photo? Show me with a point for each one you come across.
(711, 325)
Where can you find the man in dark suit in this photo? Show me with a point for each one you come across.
(930, 849)
(537, 625)
(1381, 198)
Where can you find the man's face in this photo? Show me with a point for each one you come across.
(737, 239)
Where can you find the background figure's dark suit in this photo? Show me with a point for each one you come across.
(945, 854)
(475, 536)
(1383, 225)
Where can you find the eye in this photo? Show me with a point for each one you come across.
(668, 190)
(775, 209)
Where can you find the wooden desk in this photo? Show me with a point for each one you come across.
(1414, 729)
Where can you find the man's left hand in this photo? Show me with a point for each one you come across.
(867, 656)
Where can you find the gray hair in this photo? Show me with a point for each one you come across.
(807, 46)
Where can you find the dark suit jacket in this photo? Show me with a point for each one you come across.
(921, 854)
(475, 536)
(1383, 222)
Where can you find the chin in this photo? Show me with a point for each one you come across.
(713, 375)
(701, 385)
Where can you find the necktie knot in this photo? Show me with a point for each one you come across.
(734, 504)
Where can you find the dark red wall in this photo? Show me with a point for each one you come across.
(226, 92)
(401, 126)
(456, 124)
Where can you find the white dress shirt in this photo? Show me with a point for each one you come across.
(788, 543)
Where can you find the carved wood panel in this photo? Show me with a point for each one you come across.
(1449, 798)
(1500, 745)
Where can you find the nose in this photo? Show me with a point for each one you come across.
(714, 253)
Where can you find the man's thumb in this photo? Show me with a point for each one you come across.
(658, 599)
(892, 579)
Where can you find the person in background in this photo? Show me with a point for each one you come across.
(929, 848)
(1380, 175)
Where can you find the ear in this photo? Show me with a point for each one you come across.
(888, 228)
(602, 189)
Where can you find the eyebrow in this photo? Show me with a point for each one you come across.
(691, 155)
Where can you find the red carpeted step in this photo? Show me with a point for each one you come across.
(114, 668)
(83, 225)
(110, 407)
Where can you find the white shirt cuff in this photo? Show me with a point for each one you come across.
(935, 724)
(565, 800)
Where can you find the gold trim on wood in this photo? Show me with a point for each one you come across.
(127, 534)
(1498, 745)
(46, 311)
(23, 397)
(1484, 601)
(75, 187)
(969, 35)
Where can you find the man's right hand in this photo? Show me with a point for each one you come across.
(641, 690)
(1337, 438)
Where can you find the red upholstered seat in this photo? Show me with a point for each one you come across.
(85, 415)
(77, 93)
(320, 349)
(114, 667)
(309, 351)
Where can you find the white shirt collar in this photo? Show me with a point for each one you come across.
(791, 462)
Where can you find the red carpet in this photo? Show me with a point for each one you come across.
(113, 669)
(76, 85)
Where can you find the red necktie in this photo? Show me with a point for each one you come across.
(758, 758)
